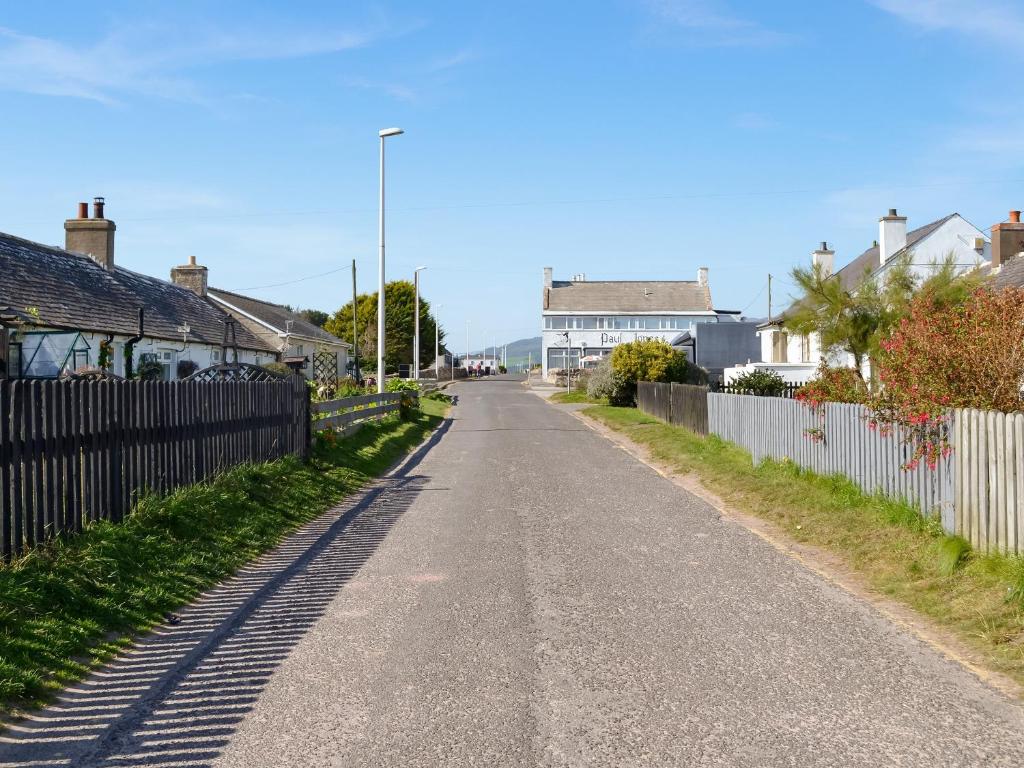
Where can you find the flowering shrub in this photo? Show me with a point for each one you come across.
(941, 356)
(829, 385)
(647, 360)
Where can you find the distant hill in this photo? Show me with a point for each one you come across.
(519, 351)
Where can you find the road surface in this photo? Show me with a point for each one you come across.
(524, 593)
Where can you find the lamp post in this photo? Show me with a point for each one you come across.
(380, 281)
(416, 338)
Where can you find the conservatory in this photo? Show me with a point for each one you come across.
(47, 354)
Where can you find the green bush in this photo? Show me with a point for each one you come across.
(279, 368)
(761, 382)
(401, 385)
(150, 370)
(648, 360)
(604, 383)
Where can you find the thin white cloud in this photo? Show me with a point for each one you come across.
(149, 60)
(453, 60)
(710, 22)
(986, 19)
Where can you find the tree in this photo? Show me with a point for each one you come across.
(854, 320)
(399, 325)
(315, 316)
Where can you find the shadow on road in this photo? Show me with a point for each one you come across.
(178, 695)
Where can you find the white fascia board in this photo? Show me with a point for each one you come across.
(255, 319)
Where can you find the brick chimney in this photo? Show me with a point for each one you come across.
(192, 276)
(825, 258)
(1007, 240)
(892, 235)
(93, 237)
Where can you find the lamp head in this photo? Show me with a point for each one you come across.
(390, 132)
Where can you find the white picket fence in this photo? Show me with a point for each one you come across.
(774, 427)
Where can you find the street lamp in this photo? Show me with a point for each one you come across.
(416, 339)
(380, 281)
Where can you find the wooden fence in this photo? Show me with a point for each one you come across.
(988, 467)
(72, 452)
(773, 427)
(350, 411)
(682, 404)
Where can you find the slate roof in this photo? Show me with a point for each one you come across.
(854, 272)
(275, 315)
(1011, 274)
(71, 291)
(608, 296)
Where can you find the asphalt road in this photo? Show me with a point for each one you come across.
(524, 593)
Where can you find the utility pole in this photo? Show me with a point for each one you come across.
(355, 325)
(769, 297)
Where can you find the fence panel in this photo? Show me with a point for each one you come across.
(689, 407)
(78, 451)
(349, 411)
(838, 443)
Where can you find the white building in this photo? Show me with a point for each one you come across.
(588, 318)
(796, 357)
(486, 362)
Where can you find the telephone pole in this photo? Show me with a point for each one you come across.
(355, 325)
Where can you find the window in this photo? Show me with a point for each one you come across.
(805, 349)
(556, 323)
(780, 342)
(215, 356)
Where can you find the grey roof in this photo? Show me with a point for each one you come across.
(1011, 274)
(853, 273)
(71, 291)
(275, 315)
(627, 296)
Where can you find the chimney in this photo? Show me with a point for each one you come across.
(547, 276)
(1007, 240)
(892, 235)
(191, 276)
(825, 259)
(702, 277)
(93, 237)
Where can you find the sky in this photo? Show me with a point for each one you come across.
(625, 139)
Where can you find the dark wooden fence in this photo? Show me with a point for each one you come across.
(684, 405)
(72, 452)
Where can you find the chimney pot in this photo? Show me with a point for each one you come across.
(1015, 217)
(824, 245)
(92, 237)
(892, 212)
(192, 261)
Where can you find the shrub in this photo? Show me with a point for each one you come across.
(761, 382)
(949, 355)
(401, 385)
(833, 385)
(648, 360)
(605, 383)
(150, 370)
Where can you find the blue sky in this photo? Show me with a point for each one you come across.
(625, 139)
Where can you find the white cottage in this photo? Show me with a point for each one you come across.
(73, 308)
(796, 357)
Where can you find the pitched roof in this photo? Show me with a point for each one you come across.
(853, 273)
(275, 315)
(1011, 274)
(72, 291)
(628, 296)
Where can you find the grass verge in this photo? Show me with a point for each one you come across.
(979, 598)
(576, 397)
(73, 604)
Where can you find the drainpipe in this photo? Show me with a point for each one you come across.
(129, 346)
